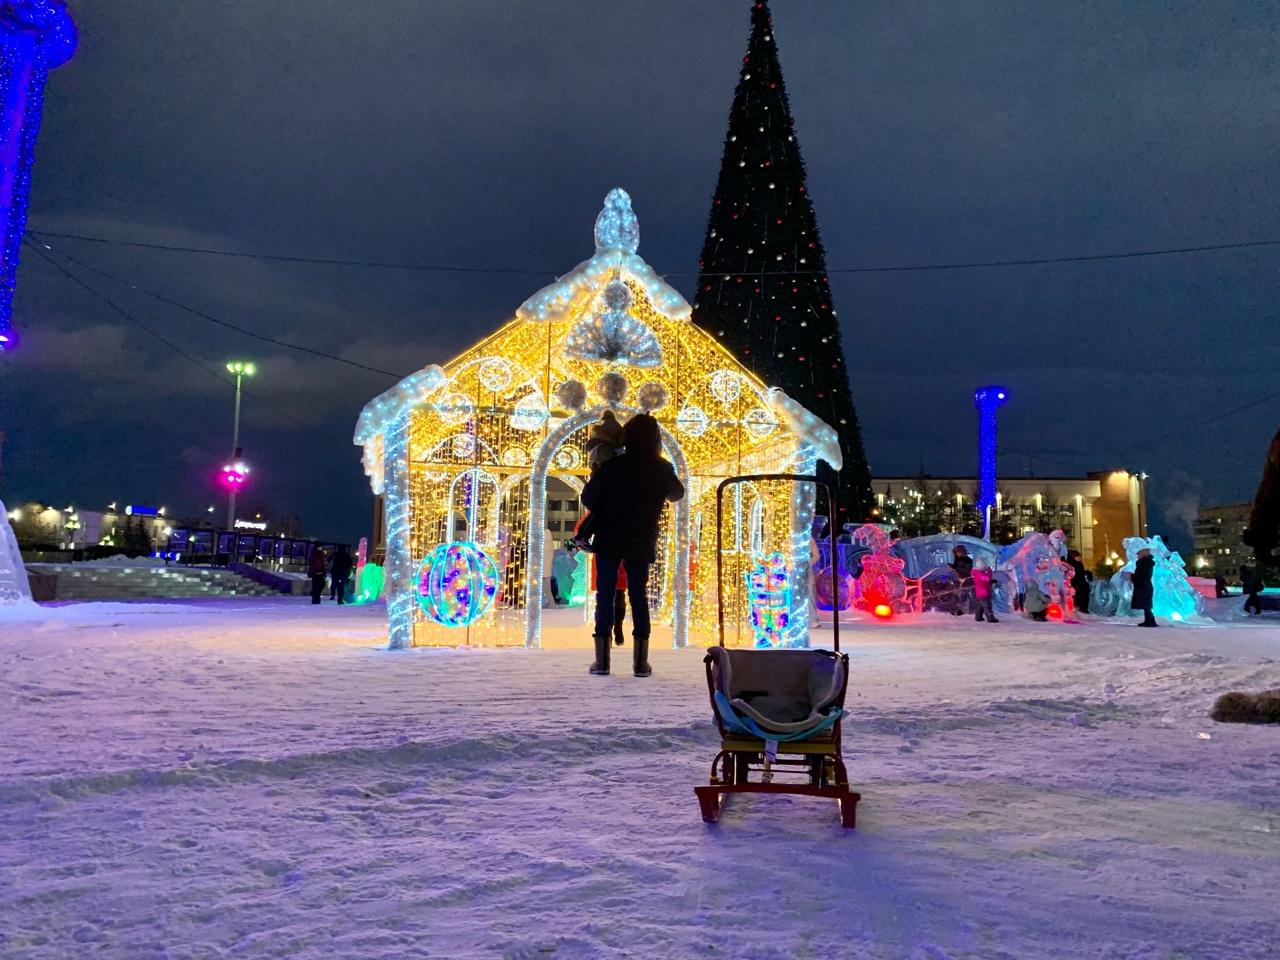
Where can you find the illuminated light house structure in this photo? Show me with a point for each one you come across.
(462, 453)
(36, 36)
(987, 399)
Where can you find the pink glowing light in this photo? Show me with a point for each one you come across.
(233, 475)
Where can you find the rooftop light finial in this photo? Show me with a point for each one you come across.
(617, 227)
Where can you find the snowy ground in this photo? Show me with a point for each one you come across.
(250, 778)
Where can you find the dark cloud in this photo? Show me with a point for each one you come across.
(486, 132)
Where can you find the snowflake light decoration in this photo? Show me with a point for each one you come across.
(692, 421)
(726, 386)
(496, 374)
(759, 422)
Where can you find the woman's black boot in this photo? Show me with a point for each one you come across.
(640, 656)
(601, 665)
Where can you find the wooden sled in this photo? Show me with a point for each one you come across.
(765, 702)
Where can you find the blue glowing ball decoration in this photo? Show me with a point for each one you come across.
(457, 584)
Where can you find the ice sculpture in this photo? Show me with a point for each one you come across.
(1175, 597)
(881, 582)
(1040, 557)
(928, 562)
(15, 589)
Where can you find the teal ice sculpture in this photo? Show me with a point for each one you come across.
(1174, 596)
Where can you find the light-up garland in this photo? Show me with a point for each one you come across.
(756, 430)
(399, 569)
(36, 36)
(456, 584)
(769, 599)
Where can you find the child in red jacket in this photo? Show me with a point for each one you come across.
(982, 585)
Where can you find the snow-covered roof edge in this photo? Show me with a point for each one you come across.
(617, 236)
(379, 412)
(810, 428)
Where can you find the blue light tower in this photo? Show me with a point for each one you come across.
(987, 399)
(35, 37)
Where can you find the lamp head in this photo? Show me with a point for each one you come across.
(990, 396)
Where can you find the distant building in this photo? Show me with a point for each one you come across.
(145, 529)
(562, 508)
(1220, 546)
(1097, 511)
(71, 528)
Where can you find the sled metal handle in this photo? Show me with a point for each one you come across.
(831, 533)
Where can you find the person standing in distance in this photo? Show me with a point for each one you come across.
(626, 496)
(1144, 593)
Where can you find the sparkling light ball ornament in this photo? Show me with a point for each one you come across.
(651, 396)
(617, 296)
(457, 584)
(571, 394)
(612, 387)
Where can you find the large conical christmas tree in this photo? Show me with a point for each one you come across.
(763, 287)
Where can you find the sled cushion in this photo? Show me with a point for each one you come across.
(785, 691)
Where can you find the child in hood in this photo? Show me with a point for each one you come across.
(603, 443)
(982, 577)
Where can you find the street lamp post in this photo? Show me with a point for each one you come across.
(241, 370)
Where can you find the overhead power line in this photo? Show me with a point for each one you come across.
(212, 319)
(103, 298)
(522, 271)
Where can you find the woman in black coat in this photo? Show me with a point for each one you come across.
(1143, 590)
(1079, 581)
(626, 496)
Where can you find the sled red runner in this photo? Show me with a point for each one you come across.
(777, 711)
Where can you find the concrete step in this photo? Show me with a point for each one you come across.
(90, 582)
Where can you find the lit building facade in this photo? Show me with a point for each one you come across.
(1096, 511)
(1219, 535)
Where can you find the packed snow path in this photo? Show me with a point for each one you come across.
(256, 779)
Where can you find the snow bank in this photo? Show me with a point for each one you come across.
(259, 779)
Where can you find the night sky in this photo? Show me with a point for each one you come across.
(486, 133)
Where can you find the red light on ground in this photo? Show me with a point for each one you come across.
(883, 611)
(1053, 611)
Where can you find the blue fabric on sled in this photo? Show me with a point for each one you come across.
(739, 724)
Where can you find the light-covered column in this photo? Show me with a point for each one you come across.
(399, 567)
(35, 37)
